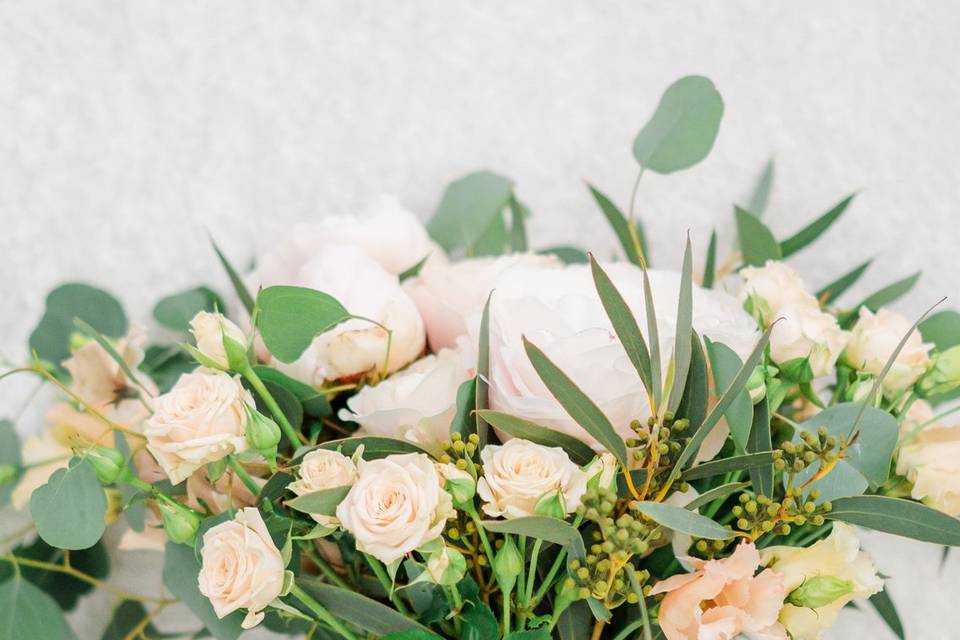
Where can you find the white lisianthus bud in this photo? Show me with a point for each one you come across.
(757, 384)
(458, 483)
(819, 591)
(806, 332)
(838, 556)
(874, 339)
(263, 434)
(551, 505)
(214, 333)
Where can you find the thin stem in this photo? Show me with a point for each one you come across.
(295, 438)
(245, 478)
(147, 619)
(521, 579)
(506, 612)
(386, 583)
(457, 605)
(386, 358)
(532, 574)
(89, 408)
(632, 220)
(324, 566)
(321, 612)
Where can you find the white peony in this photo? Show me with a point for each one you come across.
(519, 473)
(397, 505)
(806, 331)
(451, 296)
(874, 339)
(559, 311)
(416, 404)
(323, 469)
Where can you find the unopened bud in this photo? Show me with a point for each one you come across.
(263, 434)
(507, 565)
(860, 389)
(109, 464)
(757, 385)
(819, 591)
(447, 566)
(181, 523)
(8, 474)
(550, 505)
(943, 375)
(458, 483)
(220, 341)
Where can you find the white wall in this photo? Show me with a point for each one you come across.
(127, 129)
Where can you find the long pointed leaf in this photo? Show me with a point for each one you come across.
(815, 229)
(682, 346)
(683, 520)
(518, 229)
(483, 371)
(621, 226)
(839, 286)
(761, 191)
(576, 403)
(885, 607)
(726, 465)
(761, 476)
(890, 293)
(653, 334)
(898, 516)
(579, 452)
(756, 241)
(238, 285)
(624, 323)
(710, 267)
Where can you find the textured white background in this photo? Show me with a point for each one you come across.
(128, 129)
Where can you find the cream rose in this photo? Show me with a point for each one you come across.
(930, 459)
(416, 404)
(772, 287)
(558, 309)
(200, 420)
(838, 556)
(450, 296)
(323, 469)
(356, 347)
(209, 330)
(806, 331)
(242, 567)
(519, 473)
(874, 339)
(396, 505)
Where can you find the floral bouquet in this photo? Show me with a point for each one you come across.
(413, 433)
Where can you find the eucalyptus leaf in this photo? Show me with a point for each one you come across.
(542, 528)
(464, 421)
(9, 456)
(323, 502)
(884, 606)
(374, 447)
(839, 286)
(413, 271)
(239, 287)
(716, 493)
(291, 317)
(682, 130)
(69, 509)
(358, 609)
(696, 394)
(26, 612)
(710, 266)
(761, 477)
(314, 403)
(621, 227)
(726, 465)
(899, 517)
(756, 241)
(757, 204)
(725, 364)
(942, 329)
(684, 330)
(683, 520)
(468, 207)
(579, 452)
(566, 255)
(576, 403)
(483, 371)
(815, 229)
(495, 241)
(889, 294)
(176, 311)
(518, 229)
(180, 570)
(65, 589)
(126, 617)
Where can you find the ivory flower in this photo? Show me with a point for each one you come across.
(396, 505)
(356, 347)
(209, 330)
(450, 296)
(722, 599)
(839, 556)
(874, 339)
(200, 420)
(517, 474)
(416, 404)
(558, 309)
(807, 332)
(772, 287)
(242, 567)
(323, 469)
(98, 379)
(930, 459)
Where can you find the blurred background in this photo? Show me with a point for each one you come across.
(130, 130)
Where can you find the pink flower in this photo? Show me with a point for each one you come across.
(723, 598)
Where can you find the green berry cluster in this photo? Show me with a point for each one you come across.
(604, 580)
(794, 457)
(460, 452)
(667, 437)
(707, 549)
(758, 514)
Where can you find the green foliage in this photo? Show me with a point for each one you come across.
(165, 365)
(96, 307)
(696, 394)
(546, 529)
(478, 620)
(65, 589)
(28, 612)
(725, 364)
(483, 371)
(520, 428)
(566, 255)
(889, 294)
(761, 477)
(710, 266)
(621, 227)
(468, 208)
(291, 317)
(761, 190)
(684, 330)
(727, 465)
(314, 403)
(885, 607)
(899, 517)
(177, 310)
(518, 230)
(68, 510)
(358, 609)
(682, 130)
(9, 456)
(373, 446)
(683, 520)
(414, 271)
(180, 570)
(239, 287)
(815, 229)
(942, 329)
(716, 493)
(126, 616)
(464, 421)
(839, 286)
(756, 241)
(288, 402)
(323, 502)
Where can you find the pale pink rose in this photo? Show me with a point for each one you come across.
(242, 567)
(722, 598)
(450, 296)
(322, 469)
(874, 339)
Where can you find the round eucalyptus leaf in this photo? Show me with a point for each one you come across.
(28, 612)
(68, 510)
(177, 310)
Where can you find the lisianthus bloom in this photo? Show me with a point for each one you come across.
(874, 339)
(722, 598)
(323, 469)
(930, 459)
(838, 556)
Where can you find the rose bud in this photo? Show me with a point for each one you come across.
(109, 464)
(262, 434)
(507, 565)
(181, 523)
(819, 591)
(458, 483)
(219, 340)
(944, 375)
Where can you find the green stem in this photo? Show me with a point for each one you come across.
(532, 572)
(557, 563)
(487, 549)
(386, 583)
(521, 580)
(321, 612)
(457, 606)
(506, 612)
(324, 566)
(245, 478)
(296, 439)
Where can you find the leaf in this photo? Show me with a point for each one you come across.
(89, 331)
(566, 255)
(180, 570)
(725, 364)
(165, 365)
(725, 465)
(693, 407)
(96, 307)
(884, 605)
(126, 616)
(889, 294)
(478, 620)
(899, 517)
(374, 447)
(64, 589)
(575, 621)
(942, 329)
(684, 330)
(683, 128)
(683, 520)
(323, 502)
(710, 266)
(464, 422)
(291, 317)
(761, 191)
(468, 208)
(238, 285)
(542, 528)
(357, 609)
(315, 403)
(621, 226)
(624, 323)
(815, 229)
(483, 371)
(761, 477)
(756, 241)
(69, 509)
(518, 230)
(289, 404)
(579, 452)
(177, 310)
(653, 334)
(576, 403)
(28, 612)
(9, 455)
(414, 271)
(716, 493)
(495, 241)
(839, 286)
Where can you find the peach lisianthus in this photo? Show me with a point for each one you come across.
(723, 598)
